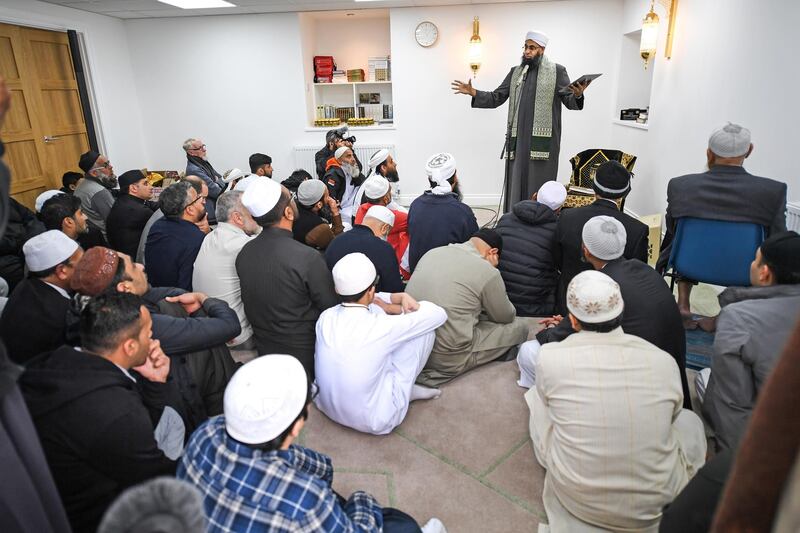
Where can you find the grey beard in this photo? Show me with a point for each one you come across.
(350, 170)
(109, 181)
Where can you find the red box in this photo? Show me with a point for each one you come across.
(323, 69)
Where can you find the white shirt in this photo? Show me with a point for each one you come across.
(215, 271)
(357, 377)
(350, 199)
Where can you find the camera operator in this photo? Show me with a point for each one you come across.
(333, 140)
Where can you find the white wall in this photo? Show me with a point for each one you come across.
(352, 41)
(117, 118)
(732, 61)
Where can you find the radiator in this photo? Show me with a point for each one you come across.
(304, 155)
(793, 216)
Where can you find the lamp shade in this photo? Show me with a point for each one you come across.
(647, 46)
(475, 54)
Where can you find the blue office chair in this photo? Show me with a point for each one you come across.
(714, 251)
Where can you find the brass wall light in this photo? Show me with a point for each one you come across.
(475, 48)
(649, 41)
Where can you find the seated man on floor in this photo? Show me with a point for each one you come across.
(607, 422)
(439, 217)
(104, 428)
(34, 319)
(528, 265)
(650, 309)
(314, 201)
(753, 325)
(343, 178)
(370, 350)
(381, 163)
(482, 325)
(726, 191)
(63, 212)
(369, 238)
(254, 478)
(130, 212)
(378, 192)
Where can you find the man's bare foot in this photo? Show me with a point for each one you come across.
(418, 392)
(708, 324)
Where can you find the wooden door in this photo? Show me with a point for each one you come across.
(44, 132)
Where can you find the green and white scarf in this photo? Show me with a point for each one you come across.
(542, 109)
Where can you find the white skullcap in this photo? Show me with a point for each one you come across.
(42, 198)
(604, 237)
(538, 37)
(244, 183)
(376, 186)
(261, 196)
(353, 274)
(48, 249)
(233, 174)
(594, 298)
(340, 152)
(310, 192)
(378, 157)
(440, 167)
(379, 212)
(264, 397)
(731, 140)
(552, 194)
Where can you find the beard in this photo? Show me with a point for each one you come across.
(350, 170)
(457, 191)
(109, 181)
(532, 62)
(391, 176)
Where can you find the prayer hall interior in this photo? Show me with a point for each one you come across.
(477, 390)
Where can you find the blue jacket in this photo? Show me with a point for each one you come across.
(171, 249)
(361, 239)
(437, 220)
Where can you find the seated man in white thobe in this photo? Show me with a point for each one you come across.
(607, 420)
(370, 350)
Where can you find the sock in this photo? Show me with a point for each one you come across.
(419, 392)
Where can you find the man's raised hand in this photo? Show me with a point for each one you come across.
(459, 87)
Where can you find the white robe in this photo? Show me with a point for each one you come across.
(367, 362)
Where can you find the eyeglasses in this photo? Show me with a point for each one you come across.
(201, 147)
(201, 197)
(107, 164)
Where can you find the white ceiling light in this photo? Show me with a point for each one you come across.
(197, 4)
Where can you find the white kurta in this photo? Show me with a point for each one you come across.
(367, 362)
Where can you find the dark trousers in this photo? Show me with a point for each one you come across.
(394, 520)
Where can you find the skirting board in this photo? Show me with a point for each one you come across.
(476, 200)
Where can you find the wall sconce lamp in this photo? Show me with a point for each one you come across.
(475, 48)
(647, 46)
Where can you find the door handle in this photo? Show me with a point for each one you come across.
(48, 139)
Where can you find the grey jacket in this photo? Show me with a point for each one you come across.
(96, 202)
(752, 329)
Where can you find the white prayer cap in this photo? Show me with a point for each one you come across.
(234, 174)
(264, 397)
(310, 192)
(244, 183)
(731, 140)
(261, 196)
(376, 186)
(594, 298)
(42, 198)
(440, 167)
(48, 249)
(384, 214)
(353, 274)
(604, 237)
(538, 37)
(340, 152)
(552, 194)
(378, 157)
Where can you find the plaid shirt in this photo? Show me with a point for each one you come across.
(249, 490)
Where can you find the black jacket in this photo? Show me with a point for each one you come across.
(527, 263)
(34, 320)
(126, 221)
(568, 251)
(361, 239)
(336, 181)
(96, 428)
(22, 225)
(321, 160)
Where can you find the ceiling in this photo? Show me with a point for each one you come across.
(137, 9)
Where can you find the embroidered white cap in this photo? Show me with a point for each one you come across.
(382, 213)
(440, 167)
(594, 298)
(552, 194)
(261, 196)
(538, 37)
(42, 198)
(48, 249)
(353, 274)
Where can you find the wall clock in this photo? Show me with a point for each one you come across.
(426, 34)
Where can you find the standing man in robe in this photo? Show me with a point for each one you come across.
(534, 116)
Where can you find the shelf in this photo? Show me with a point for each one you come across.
(353, 83)
(353, 128)
(632, 124)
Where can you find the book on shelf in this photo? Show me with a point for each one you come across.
(379, 68)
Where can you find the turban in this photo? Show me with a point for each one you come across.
(440, 167)
(538, 37)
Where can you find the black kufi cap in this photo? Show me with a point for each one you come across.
(782, 250)
(490, 237)
(129, 178)
(612, 180)
(87, 160)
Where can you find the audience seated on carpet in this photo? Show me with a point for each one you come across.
(22, 225)
(369, 238)
(612, 183)
(370, 350)
(254, 478)
(215, 266)
(314, 200)
(438, 217)
(35, 317)
(343, 178)
(174, 241)
(753, 325)
(95, 188)
(607, 420)
(191, 328)
(377, 191)
(295, 179)
(285, 284)
(482, 325)
(650, 309)
(63, 212)
(130, 212)
(69, 181)
(197, 165)
(527, 264)
(260, 165)
(104, 427)
(726, 191)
